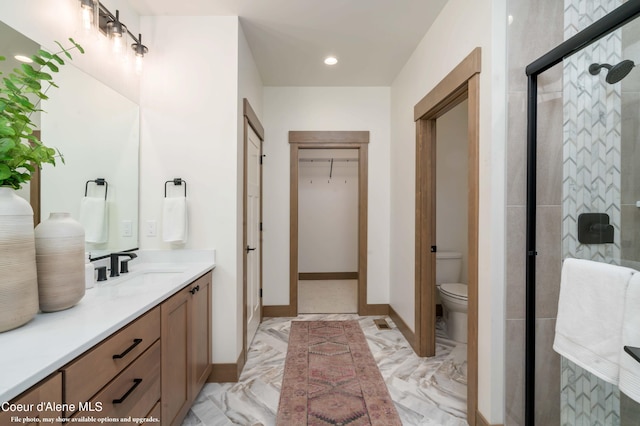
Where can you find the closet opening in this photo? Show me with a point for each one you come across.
(332, 153)
(327, 231)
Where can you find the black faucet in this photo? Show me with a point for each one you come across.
(125, 263)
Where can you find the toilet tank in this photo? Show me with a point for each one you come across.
(448, 267)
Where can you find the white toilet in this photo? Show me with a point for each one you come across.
(453, 294)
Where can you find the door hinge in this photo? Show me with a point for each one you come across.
(260, 292)
(434, 249)
(260, 226)
(261, 157)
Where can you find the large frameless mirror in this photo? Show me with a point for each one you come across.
(97, 131)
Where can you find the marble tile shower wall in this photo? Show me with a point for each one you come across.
(591, 183)
(535, 28)
(591, 134)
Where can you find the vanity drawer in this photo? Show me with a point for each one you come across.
(47, 391)
(155, 411)
(134, 392)
(92, 371)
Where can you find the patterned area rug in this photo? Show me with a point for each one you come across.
(331, 378)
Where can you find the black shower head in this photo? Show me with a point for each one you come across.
(616, 72)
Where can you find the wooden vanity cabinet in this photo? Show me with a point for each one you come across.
(90, 372)
(48, 390)
(155, 366)
(186, 348)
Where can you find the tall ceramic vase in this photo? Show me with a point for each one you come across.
(60, 260)
(18, 279)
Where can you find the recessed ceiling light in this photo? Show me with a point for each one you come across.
(23, 58)
(330, 60)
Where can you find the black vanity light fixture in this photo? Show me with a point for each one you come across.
(140, 50)
(117, 33)
(97, 18)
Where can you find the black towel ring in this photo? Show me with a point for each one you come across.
(177, 182)
(99, 182)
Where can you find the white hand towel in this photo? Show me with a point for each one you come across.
(589, 324)
(174, 220)
(629, 367)
(94, 219)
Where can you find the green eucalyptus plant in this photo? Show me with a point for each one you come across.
(20, 151)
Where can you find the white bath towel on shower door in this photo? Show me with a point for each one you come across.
(590, 310)
(629, 367)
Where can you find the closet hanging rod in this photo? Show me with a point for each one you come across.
(319, 160)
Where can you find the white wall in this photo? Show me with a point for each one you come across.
(189, 129)
(460, 27)
(249, 87)
(46, 21)
(323, 108)
(452, 152)
(328, 211)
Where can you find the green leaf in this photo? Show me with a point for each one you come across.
(51, 66)
(60, 155)
(38, 60)
(6, 144)
(7, 131)
(9, 84)
(5, 171)
(77, 46)
(58, 59)
(33, 73)
(64, 50)
(45, 54)
(28, 70)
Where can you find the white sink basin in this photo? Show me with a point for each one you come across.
(146, 276)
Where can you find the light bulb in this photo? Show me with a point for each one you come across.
(86, 18)
(139, 60)
(89, 14)
(117, 43)
(117, 32)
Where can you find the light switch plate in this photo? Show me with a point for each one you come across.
(127, 228)
(152, 228)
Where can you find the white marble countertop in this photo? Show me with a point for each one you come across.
(30, 353)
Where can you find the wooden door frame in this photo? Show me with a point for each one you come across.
(250, 120)
(462, 83)
(329, 140)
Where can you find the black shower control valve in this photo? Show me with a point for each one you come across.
(594, 228)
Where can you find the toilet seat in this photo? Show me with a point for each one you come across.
(455, 290)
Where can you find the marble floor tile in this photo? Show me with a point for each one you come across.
(426, 391)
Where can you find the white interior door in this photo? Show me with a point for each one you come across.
(253, 234)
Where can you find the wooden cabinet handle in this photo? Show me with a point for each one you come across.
(136, 382)
(136, 342)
